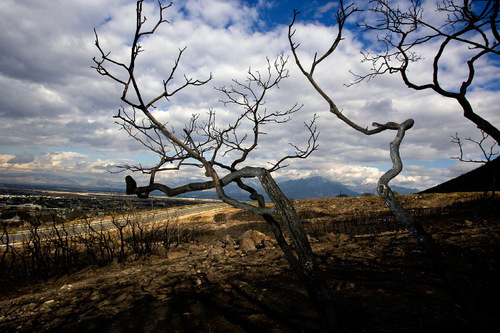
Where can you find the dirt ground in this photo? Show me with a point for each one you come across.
(381, 279)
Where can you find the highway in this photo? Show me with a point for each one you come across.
(99, 224)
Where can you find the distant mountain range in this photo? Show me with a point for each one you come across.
(318, 187)
(315, 187)
(306, 188)
(480, 179)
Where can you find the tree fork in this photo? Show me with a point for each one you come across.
(424, 239)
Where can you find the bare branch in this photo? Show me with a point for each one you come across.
(193, 145)
(301, 153)
(341, 16)
(251, 97)
(245, 172)
(470, 23)
(488, 153)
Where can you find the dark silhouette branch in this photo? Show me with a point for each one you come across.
(470, 23)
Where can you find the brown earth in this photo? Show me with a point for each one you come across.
(381, 279)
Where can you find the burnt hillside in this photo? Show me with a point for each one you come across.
(484, 178)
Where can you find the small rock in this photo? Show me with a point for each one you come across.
(215, 250)
(175, 255)
(195, 248)
(339, 238)
(217, 253)
(49, 303)
(350, 285)
(228, 241)
(247, 244)
(343, 238)
(251, 240)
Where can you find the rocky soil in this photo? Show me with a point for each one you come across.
(235, 279)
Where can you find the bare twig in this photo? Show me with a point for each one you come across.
(488, 153)
(469, 23)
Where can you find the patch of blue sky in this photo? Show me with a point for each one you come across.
(273, 14)
(104, 22)
(493, 83)
(439, 163)
(280, 12)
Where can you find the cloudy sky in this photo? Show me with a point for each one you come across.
(56, 112)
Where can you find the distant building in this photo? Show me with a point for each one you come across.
(26, 206)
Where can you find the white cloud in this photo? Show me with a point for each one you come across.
(220, 14)
(325, 8)
(52, 101)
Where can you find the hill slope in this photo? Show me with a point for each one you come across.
(478, 180)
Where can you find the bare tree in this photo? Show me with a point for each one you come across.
(401, 128)
(468, 24)
(415, 229)
(207, 146)
(487, 153)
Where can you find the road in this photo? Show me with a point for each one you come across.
(20, 237)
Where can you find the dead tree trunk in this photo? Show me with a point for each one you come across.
(385, 192)
(456, 285)
(304, 263)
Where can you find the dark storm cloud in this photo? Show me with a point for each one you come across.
(21, 159)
